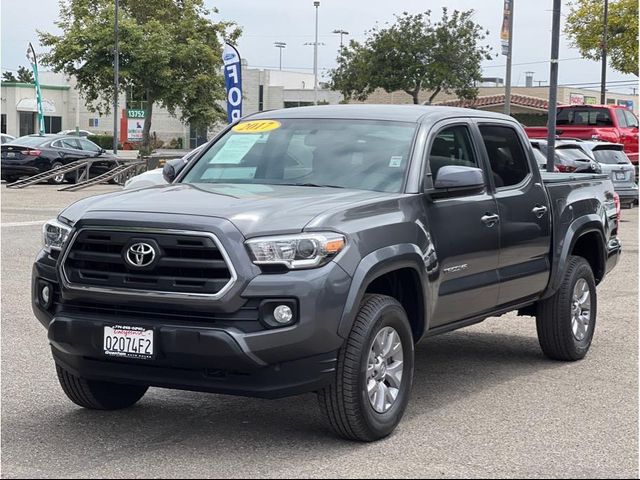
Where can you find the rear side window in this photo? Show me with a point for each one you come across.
(632, 121)
(622, 119)
(451, 146)
(507, 156)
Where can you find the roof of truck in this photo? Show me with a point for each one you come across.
(399, 113)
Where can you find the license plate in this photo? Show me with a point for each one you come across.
(621, 176)
(11, 155)
(127, 341)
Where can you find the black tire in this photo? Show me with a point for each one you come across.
(53, 180)
(554, 316)
(96, 395)
(345, 402)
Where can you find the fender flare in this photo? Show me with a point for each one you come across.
(374, 265)
(579, 227)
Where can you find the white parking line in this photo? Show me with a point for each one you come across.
(22, 224)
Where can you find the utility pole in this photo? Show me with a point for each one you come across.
(315, 58)
(603, 77)
(116, 66)
(553, 86)
(340, 32)
(507, 90)
(280, 46)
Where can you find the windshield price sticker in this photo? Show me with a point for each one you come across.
(257, 126)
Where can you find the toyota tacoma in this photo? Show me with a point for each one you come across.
(310, 249)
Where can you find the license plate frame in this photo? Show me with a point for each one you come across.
(129, 342)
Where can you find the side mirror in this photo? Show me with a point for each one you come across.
(172, 168)
(456, 179)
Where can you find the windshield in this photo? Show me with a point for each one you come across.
(360, 154)
(572, 153)
(611, 156)
(30, 141)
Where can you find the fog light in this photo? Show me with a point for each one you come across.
(46, 294)
(282, 314)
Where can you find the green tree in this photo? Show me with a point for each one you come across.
(415, 54)
(169, 49)
(25, 75)
(585, 25)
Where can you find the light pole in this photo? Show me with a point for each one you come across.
(280, 46)
(340, 32)
(507, 92)
(603, 78)
(553, 86)
(315, 58)
(116, 66)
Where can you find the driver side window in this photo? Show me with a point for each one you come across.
(451, 146)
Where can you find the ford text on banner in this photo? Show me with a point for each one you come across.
(233, 82)
(31, 56)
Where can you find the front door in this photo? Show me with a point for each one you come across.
(525, 225)
(27, 123)
(466, 243)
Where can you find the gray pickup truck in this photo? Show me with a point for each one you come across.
(310, 249)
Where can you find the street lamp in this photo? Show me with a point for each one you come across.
(340, 32)
(280, 46)
(116, 81)
(315, 59)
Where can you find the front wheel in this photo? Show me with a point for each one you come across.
(96, 395)
(566, 321)
(374, 374)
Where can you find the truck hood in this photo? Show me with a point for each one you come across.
(253, 209)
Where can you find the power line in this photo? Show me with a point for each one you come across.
(533, 63)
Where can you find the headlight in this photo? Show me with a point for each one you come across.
(306, 250)
(55, 234)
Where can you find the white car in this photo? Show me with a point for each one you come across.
(154, 177)
(83, 133)
(4, 138)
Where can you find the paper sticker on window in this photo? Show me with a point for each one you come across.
(256, 126)
(235, 149)
(395, 161)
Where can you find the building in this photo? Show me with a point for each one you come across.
(263, 89)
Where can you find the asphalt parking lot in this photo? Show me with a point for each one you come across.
(486, 403)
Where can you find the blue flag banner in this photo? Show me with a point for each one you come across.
(233, 82)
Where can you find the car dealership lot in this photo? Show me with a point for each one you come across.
(485, 401)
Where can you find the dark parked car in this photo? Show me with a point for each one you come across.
(33, 154)
(571, 156)
(309, 249)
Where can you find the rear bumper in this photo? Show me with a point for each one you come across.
(18, 170)
(626, 193)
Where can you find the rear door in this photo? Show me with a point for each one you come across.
(465, 243)
(525, 226)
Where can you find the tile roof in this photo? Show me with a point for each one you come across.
(492, 100)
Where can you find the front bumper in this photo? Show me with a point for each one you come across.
(220, 348)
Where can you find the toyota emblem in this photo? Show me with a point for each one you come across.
(140, 255)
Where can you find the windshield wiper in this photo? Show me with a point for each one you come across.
(309, 185)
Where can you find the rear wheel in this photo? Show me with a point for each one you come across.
(374, 373)
(566, 321)
(58, 179)
(96, 395)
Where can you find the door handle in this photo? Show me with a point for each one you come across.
(539, 210)
(490, 219)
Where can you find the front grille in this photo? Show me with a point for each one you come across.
(188, 263)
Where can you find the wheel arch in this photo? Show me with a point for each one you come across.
(397, 271)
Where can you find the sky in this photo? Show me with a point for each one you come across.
(293, 21)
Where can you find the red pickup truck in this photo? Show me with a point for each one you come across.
(608, 123)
